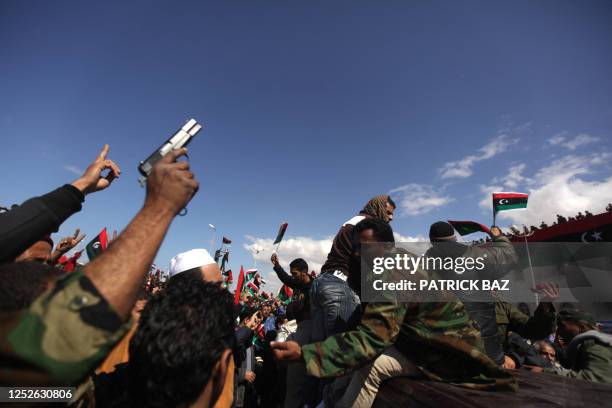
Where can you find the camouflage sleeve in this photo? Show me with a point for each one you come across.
(64, 335)
(596, 361)
(380, 324)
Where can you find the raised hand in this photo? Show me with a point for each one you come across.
(274, 260)
(93, 180)
(550, 290)
(67, 243)
(171, 184)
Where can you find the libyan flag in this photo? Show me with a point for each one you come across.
(250, 274)
(97, 245)
(239, 286)
(509, 201)
(468, 227)
(285, 293)
(281, 233)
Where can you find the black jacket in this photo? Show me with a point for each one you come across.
(23, 225)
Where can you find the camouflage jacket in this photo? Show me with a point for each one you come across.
(61, 337)
(438, 337)
(590, 357)
(509, 318)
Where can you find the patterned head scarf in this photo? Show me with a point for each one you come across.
(377, 207)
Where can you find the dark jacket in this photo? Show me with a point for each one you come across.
(23, 225)
(299, 308)
(341, 255)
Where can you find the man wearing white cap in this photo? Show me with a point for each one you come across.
(194, 264)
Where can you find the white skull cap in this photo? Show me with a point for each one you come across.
(189, 260)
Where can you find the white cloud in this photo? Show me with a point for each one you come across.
(557, 139)
(561, 187)
(463, 168)
(582, 139)
(73, 169)
(415, 199)
(314, 251)
(514, 176)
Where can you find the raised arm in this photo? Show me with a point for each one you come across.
(119, 272)
(284, 277)
(23, 225)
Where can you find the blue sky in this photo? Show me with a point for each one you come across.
(310, 108)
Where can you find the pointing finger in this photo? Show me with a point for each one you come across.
(104, 152)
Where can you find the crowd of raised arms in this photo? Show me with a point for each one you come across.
(122, 339)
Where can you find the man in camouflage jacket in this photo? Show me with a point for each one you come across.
(435, 341)
(69, 329)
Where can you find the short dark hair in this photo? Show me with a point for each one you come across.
(382, 230)
(22, 282)
(299, 264)
(391, 202)
(247, 312)
(188, 275)
(182, 332)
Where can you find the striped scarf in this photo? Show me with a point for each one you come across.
(377, 207)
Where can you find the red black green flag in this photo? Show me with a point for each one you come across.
(468, 227)
(281, 233)
(509, 201)
(227, 241)
(97, 245)
(239, 286)
(229, 278)
(285, 293)
(250, 274)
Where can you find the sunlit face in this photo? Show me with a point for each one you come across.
(39, 252)
(389, 208)
(265, 311)
(548, 352)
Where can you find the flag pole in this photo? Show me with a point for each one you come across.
(537, 298)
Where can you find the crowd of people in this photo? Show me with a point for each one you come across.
(122, 337)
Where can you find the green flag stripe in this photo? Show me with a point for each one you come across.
(510, 206)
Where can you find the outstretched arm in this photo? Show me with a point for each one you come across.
(119, 272)
(23, 225)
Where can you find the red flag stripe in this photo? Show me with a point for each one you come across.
(239, 286)
(103, 239)
(510, 195)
